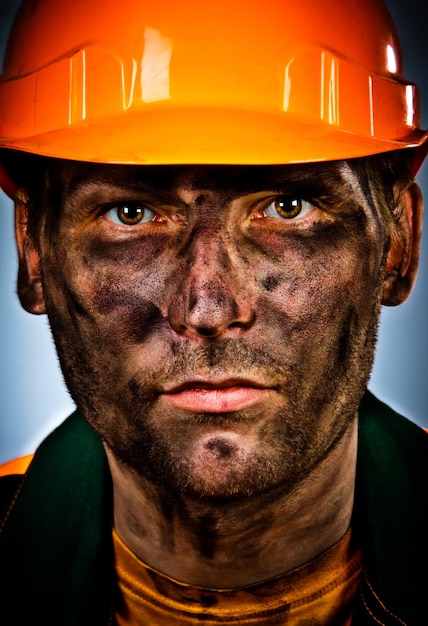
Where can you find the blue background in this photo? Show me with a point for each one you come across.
(33, 398)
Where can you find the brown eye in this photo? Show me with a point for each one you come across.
(130, 214)
(288, 207)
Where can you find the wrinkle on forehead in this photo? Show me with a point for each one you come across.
(247, 179)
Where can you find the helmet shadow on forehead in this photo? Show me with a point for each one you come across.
(30, 171)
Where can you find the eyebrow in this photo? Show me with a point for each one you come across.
(316, 179)
(86, 180)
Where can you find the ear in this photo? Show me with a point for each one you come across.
(30, 288)
(403, 256)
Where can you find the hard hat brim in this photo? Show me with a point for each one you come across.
(207, 136)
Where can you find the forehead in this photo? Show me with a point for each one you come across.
(74, 176)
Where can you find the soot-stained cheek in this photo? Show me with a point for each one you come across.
(348, 330)
(125, 275)
(307, 300)
(127, 251)
(270, 282)
(131, 315)
(76, 304)
(318, 240)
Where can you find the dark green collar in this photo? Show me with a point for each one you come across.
(57, 540)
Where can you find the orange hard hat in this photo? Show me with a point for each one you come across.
(215, 82)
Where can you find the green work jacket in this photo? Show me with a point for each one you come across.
(56, 564)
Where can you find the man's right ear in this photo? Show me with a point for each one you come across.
(30, 289)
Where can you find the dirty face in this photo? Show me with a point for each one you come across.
(215, 325)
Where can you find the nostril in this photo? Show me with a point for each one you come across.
(244, 323)
(207, 331)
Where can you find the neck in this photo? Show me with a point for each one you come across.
(226, 544)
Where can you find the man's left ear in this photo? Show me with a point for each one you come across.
(403, 256)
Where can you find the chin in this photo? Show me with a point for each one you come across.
(223, 467)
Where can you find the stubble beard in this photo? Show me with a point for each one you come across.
(291, 441)
(219, 467)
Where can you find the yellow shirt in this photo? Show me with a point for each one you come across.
(319, 593)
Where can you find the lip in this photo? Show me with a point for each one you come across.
(226, 396)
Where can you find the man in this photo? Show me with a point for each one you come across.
(212, 203)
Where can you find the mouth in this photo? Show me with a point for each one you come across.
(222, 396)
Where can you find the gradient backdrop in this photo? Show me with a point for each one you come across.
(33, 398)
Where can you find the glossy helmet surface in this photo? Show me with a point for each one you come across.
(217, 82)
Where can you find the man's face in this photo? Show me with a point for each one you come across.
(215, 325)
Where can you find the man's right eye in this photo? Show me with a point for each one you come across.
(130, 214)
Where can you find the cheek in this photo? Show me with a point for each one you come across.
(318, 291)
(322, 295)
(112, 289)
(125, 303)
(338, 265)
(105, 320)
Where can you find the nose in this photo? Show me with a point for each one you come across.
(214, 297)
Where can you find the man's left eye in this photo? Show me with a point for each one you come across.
(130, 214)
(288, 207)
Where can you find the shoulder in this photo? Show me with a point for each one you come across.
(16, 466)
(11, 476)
(388, 433)
(392, 452)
